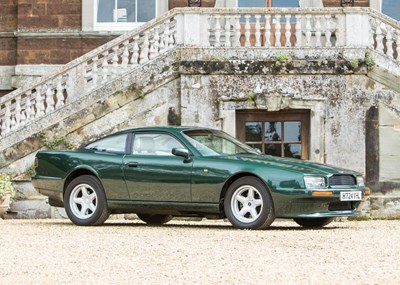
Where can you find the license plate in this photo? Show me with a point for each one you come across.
(350, 196)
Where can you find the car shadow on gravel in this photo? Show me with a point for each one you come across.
(204, 225)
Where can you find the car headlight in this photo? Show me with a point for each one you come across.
(314, 182)
(360, 181)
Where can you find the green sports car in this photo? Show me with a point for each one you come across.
(162, 172)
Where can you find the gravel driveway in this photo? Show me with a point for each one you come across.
(206, 252)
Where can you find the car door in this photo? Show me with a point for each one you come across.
(153, 173)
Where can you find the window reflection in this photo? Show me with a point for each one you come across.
(273, 131)
(253, 131)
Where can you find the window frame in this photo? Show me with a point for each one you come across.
(243, 116)
(118, 26)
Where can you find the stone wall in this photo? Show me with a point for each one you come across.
(207, 87)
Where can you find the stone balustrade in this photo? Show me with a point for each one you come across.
(208, 28)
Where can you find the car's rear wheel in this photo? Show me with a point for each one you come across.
(155, 219)
(248, 204)
(85, 201)
(313, 222)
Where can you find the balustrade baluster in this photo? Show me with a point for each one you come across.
(17, 111)
(28, 106)
(60, 90)
(171, 37)
(207, 22)
(299, 36)
(318, 30)
(94, 73)
(125, 55)
(104, 67)
(144, 51)
(308, 30)
(287, 31)
(372, 32)
(236, 41)
(39, 104)
(49, 98)
(328, 32)
(267, 31)
(165, 36)
(258, 31)
(135, 51)
(156, 40)
(227, 31)
(278, 31)
(247, 31)
(115, 68)
(217, 30)
(7, 119)
(379, 37)
(13, 123)
(151, 50)
(389, 42)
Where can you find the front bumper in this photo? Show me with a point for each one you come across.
(306, 205)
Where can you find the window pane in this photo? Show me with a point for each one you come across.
(155, 144)
(125, 11)
(105, 10)
(109, 144)
(292, 132)
(285, 3)
(273, 149)
(253, 131)
(251, 3)
(147, 10)
(273, 131)
(292, 150)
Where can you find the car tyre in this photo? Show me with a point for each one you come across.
(85, 201)
(155, 219)
(248, 204)
(313, 222)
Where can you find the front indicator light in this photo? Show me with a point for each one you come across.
(367, 192)
(321, 193)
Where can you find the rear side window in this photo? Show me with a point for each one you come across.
(115, 143)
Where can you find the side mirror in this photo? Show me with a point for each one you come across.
(183, 152)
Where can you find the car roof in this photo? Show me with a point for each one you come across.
(164, 129)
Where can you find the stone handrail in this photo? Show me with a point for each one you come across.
(86, 73)
(228, 27)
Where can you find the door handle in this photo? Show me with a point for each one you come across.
(132, 164)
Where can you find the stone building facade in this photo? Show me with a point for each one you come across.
(333, 86)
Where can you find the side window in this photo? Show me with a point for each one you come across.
(154, 144)
(115, 143)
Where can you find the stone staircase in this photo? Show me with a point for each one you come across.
(135, 80)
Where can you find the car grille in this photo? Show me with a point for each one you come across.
(342, 179)
(340, 206)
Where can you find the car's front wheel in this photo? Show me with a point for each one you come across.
(313, 222)
(248, 204)
(85, 201)
(155, 219)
